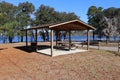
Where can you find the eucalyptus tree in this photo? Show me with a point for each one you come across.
(107, 21)
(48, 15)
(10, 29)
(95, 15)
(117, 23)
(25, 10)
(117, 16)
(112, 19)
(7, 15)
(45, 15)
(63, 17)
(110, 28)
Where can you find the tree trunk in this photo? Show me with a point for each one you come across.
(100, 37)
(115, 38)
(18, 38)
(107, 40)
(64, 35)
(4, 37)
(59, 36)
(10, 39)
(43, 37)
(47, 35)
(21, 39)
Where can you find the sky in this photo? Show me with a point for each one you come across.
(79, 7)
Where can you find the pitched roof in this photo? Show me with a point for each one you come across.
(69, 25)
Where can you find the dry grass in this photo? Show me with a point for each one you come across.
(16, 64)
(110, 44)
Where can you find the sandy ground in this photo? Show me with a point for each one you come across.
(17, 64)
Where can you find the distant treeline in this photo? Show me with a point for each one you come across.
(15, 18)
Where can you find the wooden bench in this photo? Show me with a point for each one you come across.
(65, 44)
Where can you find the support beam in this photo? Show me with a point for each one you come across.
(26, 38)
(69, 40)
(36, 38)
(36, 35)
(118, 46)
(56, 38)
(93, 35)
(51, 42)
(88, 40)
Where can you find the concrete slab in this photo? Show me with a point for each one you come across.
(57, 52)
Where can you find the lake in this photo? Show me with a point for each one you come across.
(74, 38)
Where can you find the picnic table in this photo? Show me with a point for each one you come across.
(66, 44)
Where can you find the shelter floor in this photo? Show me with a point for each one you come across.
(57, 52)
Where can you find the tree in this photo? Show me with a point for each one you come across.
(112, 19)
(95, 15)
(25, 10)
(110, 28)
(7, 14)
(47, 15)
(107, 21)
(11, 29)
(117, 16)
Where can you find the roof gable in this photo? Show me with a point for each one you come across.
(65, 26)
(71, 25)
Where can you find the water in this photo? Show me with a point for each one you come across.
(74, 38)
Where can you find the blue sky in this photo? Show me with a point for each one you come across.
(79, 7)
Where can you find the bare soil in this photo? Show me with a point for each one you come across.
(17, 64)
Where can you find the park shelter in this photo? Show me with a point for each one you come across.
(69, 26)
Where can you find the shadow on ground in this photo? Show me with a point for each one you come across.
(2, 48)
(31, 49)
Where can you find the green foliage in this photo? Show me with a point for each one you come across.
(15, 18)
(95, 16)
(110, 12)
(24, 16)
(47, 15)
(11, 29)
(7, 12)
(7, 18)
(112, 19)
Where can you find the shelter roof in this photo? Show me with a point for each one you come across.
(65, 26)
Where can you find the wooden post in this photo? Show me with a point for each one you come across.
(118, 46)
(98, 45)
(93, 35)
(88, 41)
(36, 38)
(36, 35)
(26, 38)
(69, 40)
(51, 42)
(56, 38)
